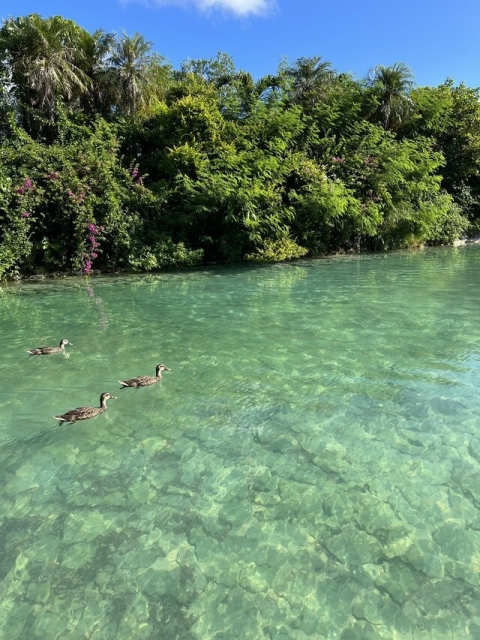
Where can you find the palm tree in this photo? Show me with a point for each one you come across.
(132, 64)
(391, 88)
(246, 90)
(97, 49)
(44, 60)
(311, 80)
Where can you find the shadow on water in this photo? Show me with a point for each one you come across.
(20, 448)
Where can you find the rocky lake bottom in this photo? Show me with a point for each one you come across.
(310, 467)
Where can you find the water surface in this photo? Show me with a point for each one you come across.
(310, 468)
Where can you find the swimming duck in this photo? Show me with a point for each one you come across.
(43, 351)
(145, 381)
(82, 413)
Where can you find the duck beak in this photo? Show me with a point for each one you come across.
(70, 344)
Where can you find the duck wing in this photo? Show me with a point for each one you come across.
(41, 351)
(139, 381)
(80, 413)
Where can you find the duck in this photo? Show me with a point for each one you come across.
(43, 351)
(82, 413)
(144, 381)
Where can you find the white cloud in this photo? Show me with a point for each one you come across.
(240, 8)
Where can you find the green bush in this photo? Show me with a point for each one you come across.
(165, 254)
(276, 251)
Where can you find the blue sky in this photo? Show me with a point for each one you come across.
(436, 38)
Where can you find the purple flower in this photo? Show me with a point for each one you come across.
(53, 176)
(94, 255)
(27, 184)
(92, 228)
(71, 194)
(88, 267)
(25, 214)
(135, 173)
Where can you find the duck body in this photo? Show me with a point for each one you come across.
(144, 381)
(44, 351)
(82, 413)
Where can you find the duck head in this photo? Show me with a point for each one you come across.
(161, 367)
(107, 396)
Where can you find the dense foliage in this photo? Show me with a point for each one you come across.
(110, 158)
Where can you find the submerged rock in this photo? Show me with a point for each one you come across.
(354, 547)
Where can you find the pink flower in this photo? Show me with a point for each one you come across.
(25, 214)
(27, 184)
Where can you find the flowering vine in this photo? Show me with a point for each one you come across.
(91, 254)
(26, 186)
(138, 179)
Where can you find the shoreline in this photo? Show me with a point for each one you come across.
(62, 275)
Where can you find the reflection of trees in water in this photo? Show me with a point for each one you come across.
(349, 292)
(280, 278)
(99, 304)
(16, 304)
(269, 276)
(9, 301)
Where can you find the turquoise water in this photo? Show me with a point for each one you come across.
(310, 467)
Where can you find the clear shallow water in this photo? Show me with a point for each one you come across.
(310, 468)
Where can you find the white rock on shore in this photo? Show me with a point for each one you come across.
(463, 241)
